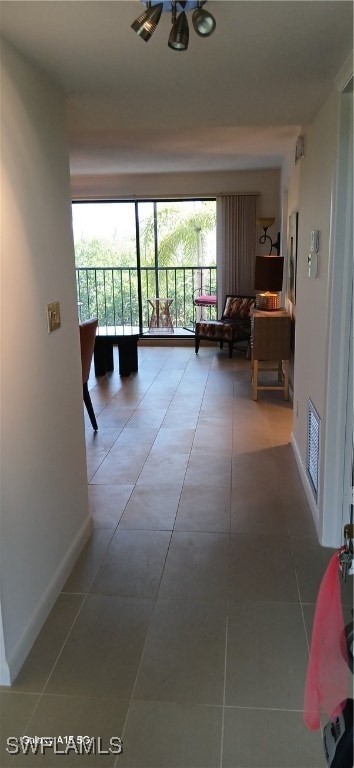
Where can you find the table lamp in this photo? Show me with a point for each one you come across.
(269, 281)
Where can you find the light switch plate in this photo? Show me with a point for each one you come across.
(53, 311)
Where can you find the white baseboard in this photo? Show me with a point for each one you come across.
(13, 663)
(307, 486)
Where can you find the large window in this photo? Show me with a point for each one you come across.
(128, 252)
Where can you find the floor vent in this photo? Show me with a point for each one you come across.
(313, 446)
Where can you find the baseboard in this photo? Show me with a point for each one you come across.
(17, 656)
(306, 484)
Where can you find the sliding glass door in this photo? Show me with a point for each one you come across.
(130, 252)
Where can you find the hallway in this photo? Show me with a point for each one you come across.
(184, 626)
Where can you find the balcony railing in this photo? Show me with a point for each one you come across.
(112, 293)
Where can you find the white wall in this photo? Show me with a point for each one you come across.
(44, 507)
(311, 187)
(266, 182)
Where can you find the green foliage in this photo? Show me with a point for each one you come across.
(180, 238)
(107, 279)
(103, 253)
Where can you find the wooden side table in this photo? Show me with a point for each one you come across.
(270, 341)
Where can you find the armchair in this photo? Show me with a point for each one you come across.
(234, 325)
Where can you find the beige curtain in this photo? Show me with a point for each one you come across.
(236, 245)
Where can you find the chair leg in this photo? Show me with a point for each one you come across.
(196, 344)
(231, 344)
(89, 407)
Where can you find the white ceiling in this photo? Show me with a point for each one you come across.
(236, 100)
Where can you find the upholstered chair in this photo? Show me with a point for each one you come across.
(234, 325)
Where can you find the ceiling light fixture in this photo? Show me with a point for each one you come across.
(146, 23)
(179, 36)
(203, 22)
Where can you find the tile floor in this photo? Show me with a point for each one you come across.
(184, 626)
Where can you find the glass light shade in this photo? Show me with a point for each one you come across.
(265, 223)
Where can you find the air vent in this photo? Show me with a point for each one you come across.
(313, 446)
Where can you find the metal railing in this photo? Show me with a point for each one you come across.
(112, 293)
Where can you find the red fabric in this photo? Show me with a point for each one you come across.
(205, 300)
(328, 672)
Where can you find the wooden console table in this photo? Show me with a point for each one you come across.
(270, 342)
(127, 341)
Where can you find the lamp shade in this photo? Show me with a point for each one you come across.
(269, 273)
(266, 223)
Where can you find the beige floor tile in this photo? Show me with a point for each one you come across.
(204, 509)
(255, 472)
(62, 716)
(100, 441)
(162, 735)
(151, 508)
(164, 470)
(93, 462)
(120, 468)
(15, 712)
(311, 561)
(258, 516)
(153, 397)
(211, 441)
(183, 659)
(299, 521)
(266, 655)
(255, 439)
(186, 419)
(173, 440)
(256, 738)
(261, 569)
(88, 563)
(215, 415)
(147, 418)
(107, 503)
(196, 566)
(115, 417)
(41, 659)
(129, 441)
(102, 654)
(208, 470)
(133, 564)
(182, 447)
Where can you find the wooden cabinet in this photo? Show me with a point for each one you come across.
(270, 342)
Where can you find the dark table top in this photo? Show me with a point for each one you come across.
(117, 331)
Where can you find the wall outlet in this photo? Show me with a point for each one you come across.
(53, 316)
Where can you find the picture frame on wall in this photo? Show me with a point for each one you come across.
(299, 149)
(292, 255)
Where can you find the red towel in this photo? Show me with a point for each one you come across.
(328, 672)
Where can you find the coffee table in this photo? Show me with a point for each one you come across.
(127, 341)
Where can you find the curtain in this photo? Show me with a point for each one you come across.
(236, 245)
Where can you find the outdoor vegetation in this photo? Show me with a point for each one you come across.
(167, 250)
